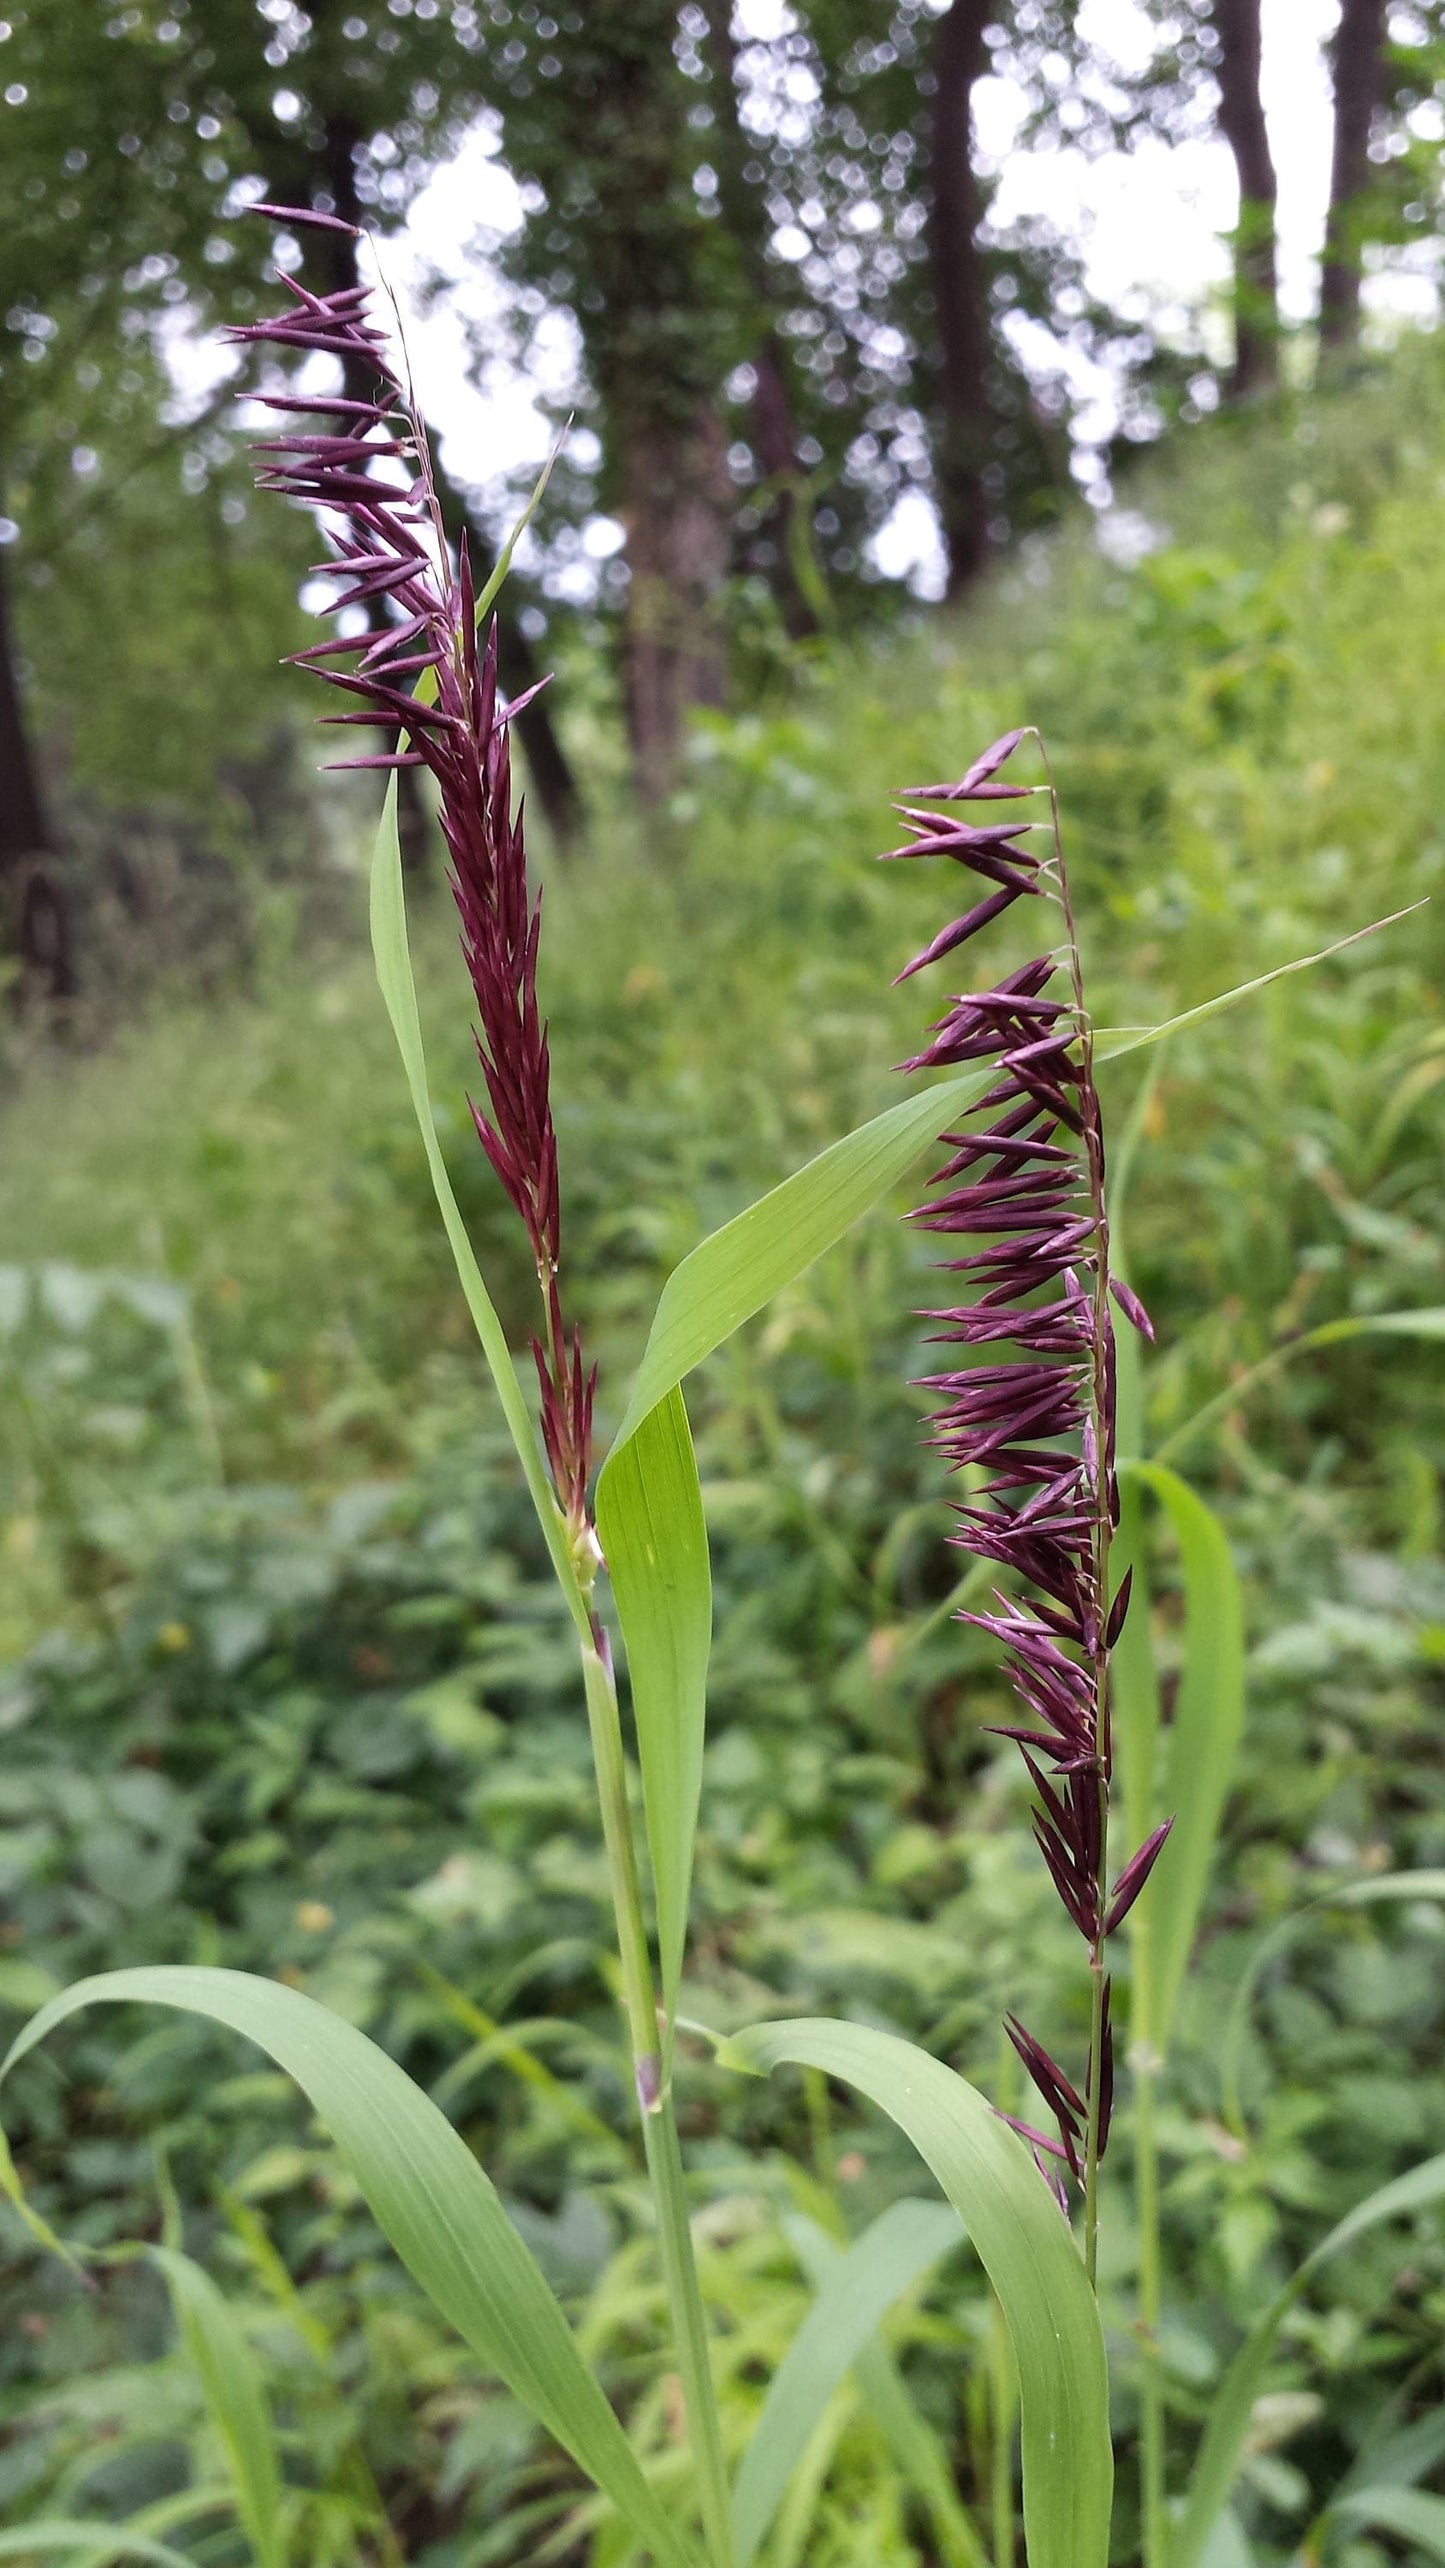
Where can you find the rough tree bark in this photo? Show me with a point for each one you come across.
(654, 348)
(770, 418)
(675, 489)
(1241, 120)
(960, 293)
(36, 925)
(1358, 57)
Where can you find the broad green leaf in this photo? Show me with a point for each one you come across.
(919, 2454)
(729, 1276)
(1413, 1324)
(1202, 1742)
(1218, 2462)
(398, 989)
(1410, 2512)
(440, 2211)
(1378, 1889)
(858, 2290)
(1111, 1042)
(1027, 2251)
(649, 1517)
(230, 2378)
(93, 2544)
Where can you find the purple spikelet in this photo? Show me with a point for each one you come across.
(1020, 1200)
(365, 466)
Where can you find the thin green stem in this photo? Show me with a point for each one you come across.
(1151, 2388)
(654, 2096)
(1096, 2064)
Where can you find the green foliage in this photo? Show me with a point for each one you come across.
(1027, 2252)
(288, 1691)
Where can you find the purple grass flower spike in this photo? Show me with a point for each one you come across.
(365, 467)
(1029, 1411)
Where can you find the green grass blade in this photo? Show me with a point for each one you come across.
(649, 1517)
(728, 1277)
(490, 593)
(230, 2378)
(1203, 1738)
(1027, 2252)
(398, 989)
(1111, 1042)
(918, 2452)
(858, 2289)
(93, 2544)
(919, 2456)
(1428, 1323)
(439, 2210)
(1410, 2512)
(1217, 2466)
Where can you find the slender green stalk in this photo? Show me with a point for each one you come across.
(659, 2122)
(1153, 2526)
(1096, 2062)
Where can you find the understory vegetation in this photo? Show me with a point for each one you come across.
(286, 1688)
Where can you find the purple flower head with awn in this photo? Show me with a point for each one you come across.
(1029, 1408)
(420, 676)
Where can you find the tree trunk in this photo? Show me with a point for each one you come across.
(770, 422)
(1241, 119)
(1358, 58)
(674, 506)
(37, 912)
(960, 294)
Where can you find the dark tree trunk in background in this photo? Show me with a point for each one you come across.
(960, 293)
(1241, 119)
(771, 423)
(675, 492)
(36, 924)
(1358, 61)
(654, 348)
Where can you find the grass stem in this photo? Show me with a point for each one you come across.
(659, 2123)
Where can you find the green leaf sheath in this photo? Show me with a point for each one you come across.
(1202, 1742)
(1217, 2465)
(1027, 2251)
(230, 2379)
(426, 2191)
(728, 1277)
(398, 989)
(649, 1517)
(858, 2290)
